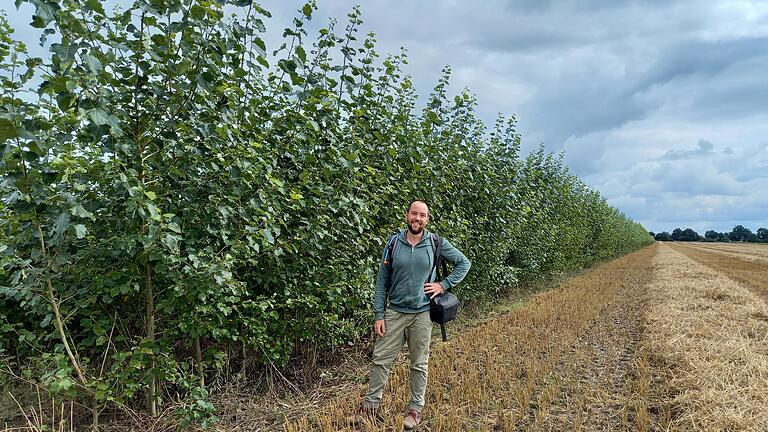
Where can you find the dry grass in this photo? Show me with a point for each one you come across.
(650, 401)
(708, 337)
(46, 415)
(495, 376)
(597, 390)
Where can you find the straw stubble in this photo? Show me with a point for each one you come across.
(710, 334)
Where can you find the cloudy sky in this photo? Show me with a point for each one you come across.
(659, 105)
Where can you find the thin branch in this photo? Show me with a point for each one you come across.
(64, 340)
(290, 384)
(109, 342)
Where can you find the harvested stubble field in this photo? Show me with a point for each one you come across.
(655, 340)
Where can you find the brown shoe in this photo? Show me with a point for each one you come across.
(412, 419)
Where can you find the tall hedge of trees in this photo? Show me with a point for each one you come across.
(182, 203)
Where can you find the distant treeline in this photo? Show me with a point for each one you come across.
(738, 233)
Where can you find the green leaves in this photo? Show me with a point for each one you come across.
(268, 237)
(94, 6)
(60, 225)
(100, 117)
(93, 63)
(64, 53)
(45, 12)
(171, 242)
(301, 54)
(80, 231)
(8, 130)
(154, 212)
(307, 10)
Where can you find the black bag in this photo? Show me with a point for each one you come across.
(443, 307)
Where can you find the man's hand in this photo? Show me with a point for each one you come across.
(378, 327)
(433, 289)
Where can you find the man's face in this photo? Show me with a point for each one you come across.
(417, 217)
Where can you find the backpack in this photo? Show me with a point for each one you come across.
(443, 307)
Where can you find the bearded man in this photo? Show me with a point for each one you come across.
(401, 314)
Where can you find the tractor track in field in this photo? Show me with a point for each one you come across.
(595, 378)
(590, 385)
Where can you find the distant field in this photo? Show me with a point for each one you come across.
(743, 251)
(743, 262)
(672, 337)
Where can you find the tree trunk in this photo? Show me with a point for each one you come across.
(150, 299)
(59, 323)
(199, 361)
(244, 364)
(95, 415)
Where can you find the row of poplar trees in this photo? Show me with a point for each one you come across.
(181, 203)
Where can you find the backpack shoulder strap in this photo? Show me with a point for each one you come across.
(437, 247)
(440, 265)
(389, 251)
(437, 244)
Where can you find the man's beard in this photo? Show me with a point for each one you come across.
(417, 231)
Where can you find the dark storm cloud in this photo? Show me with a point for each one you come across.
(583, 5)
(525, 42)
(719, 78)
(702, 58)
(740, 92)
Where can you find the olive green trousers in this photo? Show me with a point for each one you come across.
(399, 328)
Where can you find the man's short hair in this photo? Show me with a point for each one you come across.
(415, 201)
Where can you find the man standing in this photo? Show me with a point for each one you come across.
(402, 314)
